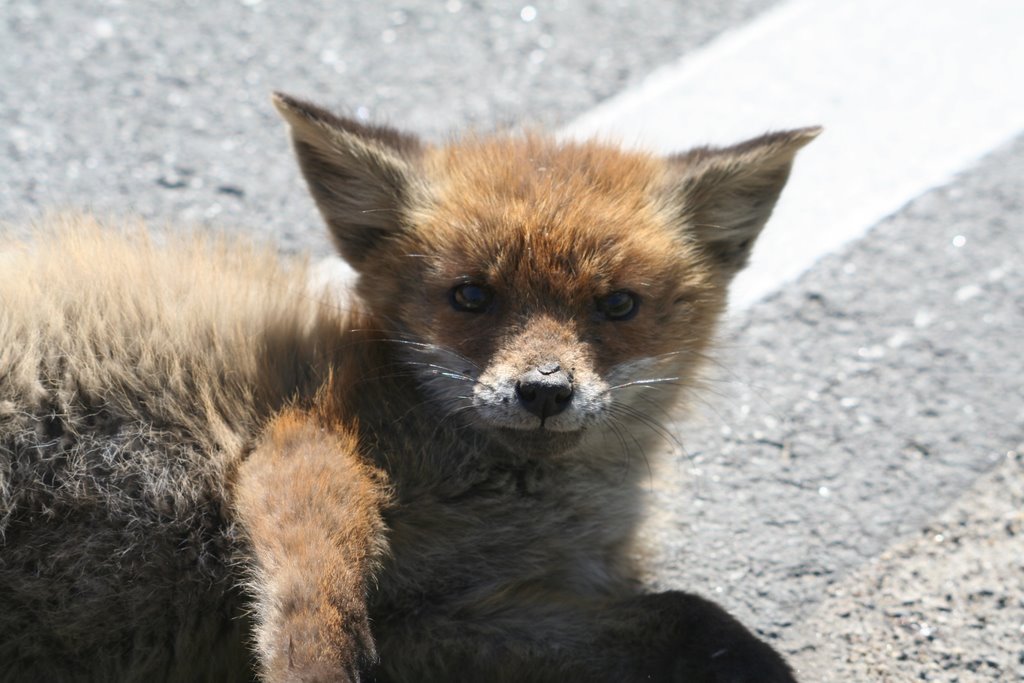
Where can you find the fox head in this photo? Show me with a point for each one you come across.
(540, 289)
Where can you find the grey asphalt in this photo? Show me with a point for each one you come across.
(162, 108)
(867, 409)
(860, 404)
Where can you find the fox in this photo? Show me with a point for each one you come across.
(211, 471)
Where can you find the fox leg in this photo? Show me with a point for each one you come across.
(311, 511)
(688, 638)
(671, 637)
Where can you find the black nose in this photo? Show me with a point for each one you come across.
(545, 390)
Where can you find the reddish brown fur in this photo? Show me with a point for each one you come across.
(379, 483)
(314, 524)
(552, 228)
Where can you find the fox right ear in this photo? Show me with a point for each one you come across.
(726, 194)
(361, 176)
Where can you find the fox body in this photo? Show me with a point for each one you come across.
(209, 472)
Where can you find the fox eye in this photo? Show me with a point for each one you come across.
(619, 305)
(471, 298)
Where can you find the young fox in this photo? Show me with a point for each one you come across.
(208, 473)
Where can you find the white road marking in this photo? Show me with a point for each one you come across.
(909, 92)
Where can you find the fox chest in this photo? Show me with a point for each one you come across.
(515, 528)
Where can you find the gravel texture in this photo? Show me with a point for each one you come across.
(947, 604)
(852, 410)
(858, 405)
(162, 107)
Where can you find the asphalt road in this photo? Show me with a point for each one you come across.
(868, 398)
(162, 108)
(859, 415)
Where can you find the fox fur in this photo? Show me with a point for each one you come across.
(210, 472)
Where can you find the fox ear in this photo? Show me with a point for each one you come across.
(727, 194)
(360, 176)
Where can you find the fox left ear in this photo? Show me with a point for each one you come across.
(726, 194)
(362, 177)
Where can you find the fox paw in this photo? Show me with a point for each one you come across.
(748, 662)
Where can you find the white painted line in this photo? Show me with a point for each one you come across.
(909, 92)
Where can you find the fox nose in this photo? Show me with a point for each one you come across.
(545, 390)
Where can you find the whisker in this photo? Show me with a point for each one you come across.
(643, 453)
(428, 443)
(441, 370)
(614, 427)
(639, 382)
(668, 354)
(428, 347)
(657, 405)
(653, 425)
